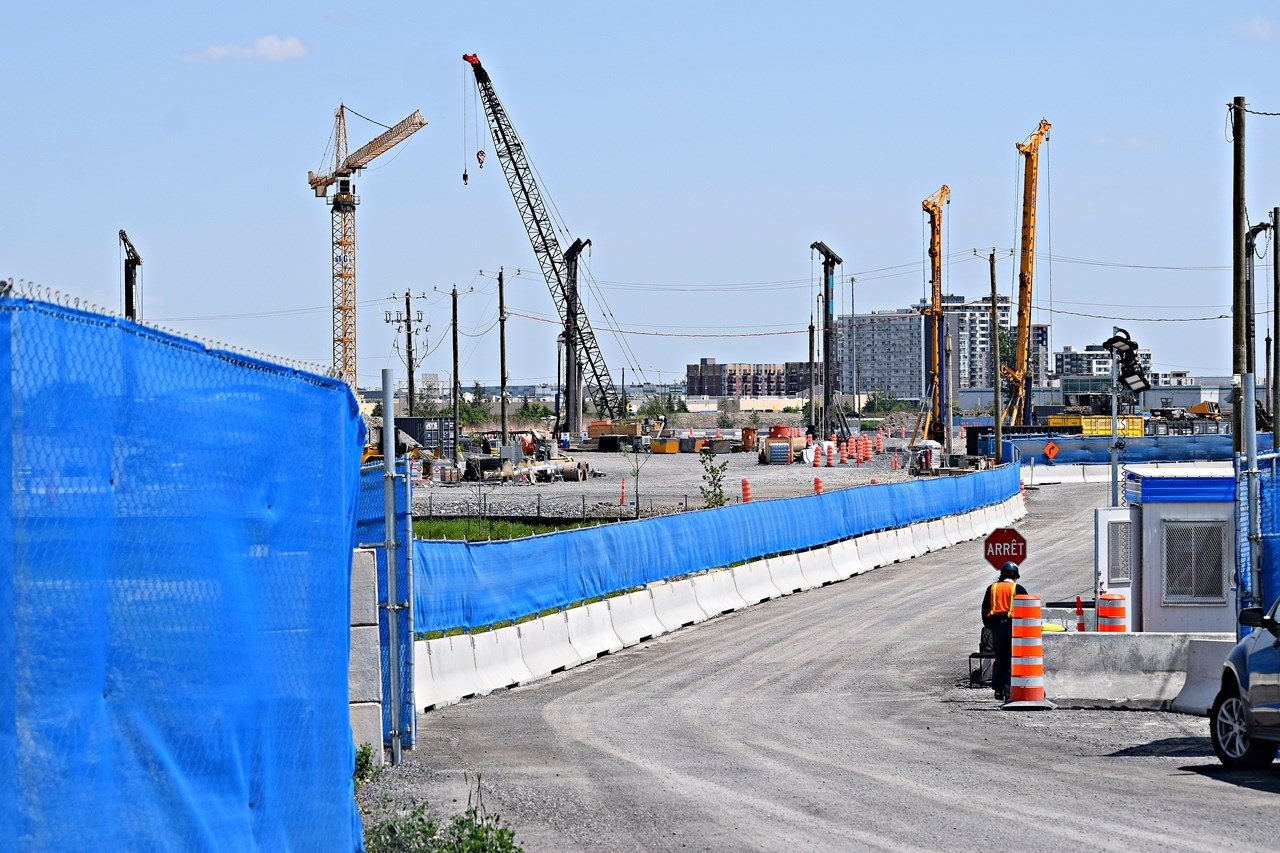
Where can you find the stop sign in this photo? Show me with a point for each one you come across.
(1004, 545)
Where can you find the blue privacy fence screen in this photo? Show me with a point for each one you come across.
(371, 530)
(1096, 449)
(174, 592)
(471, 585)
(1269, 523)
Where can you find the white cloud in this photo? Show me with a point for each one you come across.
(264, 49)
(1259, 28)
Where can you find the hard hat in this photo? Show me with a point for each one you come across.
(1010, 568)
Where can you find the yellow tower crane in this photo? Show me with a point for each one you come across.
(344, 227)
(1019, 375)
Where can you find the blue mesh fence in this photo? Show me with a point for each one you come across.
(371, 530)
(470, 585)
(1096, 449)
(175, 551)
(1268, 498)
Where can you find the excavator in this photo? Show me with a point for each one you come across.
(1018, 410)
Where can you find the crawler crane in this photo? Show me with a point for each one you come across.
(537, 222)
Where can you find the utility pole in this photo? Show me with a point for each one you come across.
(502, 355)
(1275, 324)
(994, 343)
(457, 427)
(1239, 291)
(406, 321)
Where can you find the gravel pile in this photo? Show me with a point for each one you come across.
(666, 483)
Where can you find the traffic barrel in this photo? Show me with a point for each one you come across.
(844, 453)
(817, 456)
(1026, 670)
(746, 490)
(622, 497)
(1111, 616)
(831, 455)
(879, 442)
(817, 485)
(893, 462)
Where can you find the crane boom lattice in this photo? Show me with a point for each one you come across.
(1020, 376)
(542, 235)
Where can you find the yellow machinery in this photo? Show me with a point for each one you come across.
(1019, 376)
(934, 424)
(344, 227)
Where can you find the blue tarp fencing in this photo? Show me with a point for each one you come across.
(1096, 449)
(371, 529)
(474, 584)
(1269, 523)
(175, 553)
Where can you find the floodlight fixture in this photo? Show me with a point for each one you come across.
(1134, 381)
(1120, 342)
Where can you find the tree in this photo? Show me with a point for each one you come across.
(713, 491)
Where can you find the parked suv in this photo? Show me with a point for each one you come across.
(1244, 723)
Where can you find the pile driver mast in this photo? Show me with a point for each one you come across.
(537, 222)
(344, 227)
(935, 426)
(132, 260)
(1019, 375)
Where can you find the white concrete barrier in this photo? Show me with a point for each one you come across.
(786, 574)
(444, 671)
(753, 582)
(936, 535)
(907, 547)
(919, 536)
(968, 526)
(872, 550)
(498, 660)
(716, 592)
(1204, 676)
(591, 630)
(1144, 670)
(634, 618)
(545, 646)
(1019, 507)
(676, 604)
(835, 563)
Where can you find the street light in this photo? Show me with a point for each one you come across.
(1126, 372)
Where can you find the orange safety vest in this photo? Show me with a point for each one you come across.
(1002, 593)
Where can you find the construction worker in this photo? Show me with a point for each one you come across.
(997, 614)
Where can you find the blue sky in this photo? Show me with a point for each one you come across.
(702, 147)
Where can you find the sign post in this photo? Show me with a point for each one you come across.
(1004, 545)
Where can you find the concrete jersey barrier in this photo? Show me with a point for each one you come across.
(1141, 671)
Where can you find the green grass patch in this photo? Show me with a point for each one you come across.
(486, 529)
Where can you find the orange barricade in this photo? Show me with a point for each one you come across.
(817, 485)
(1111, 616)
(1026, 682)
(746, 490)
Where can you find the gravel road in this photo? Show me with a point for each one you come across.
(832, 720)
(667, 482)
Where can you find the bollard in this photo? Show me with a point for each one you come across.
(746, 490)
(1111, 615)
(1026, 670)
(817, 485)
(1080, 627)
(622, 498)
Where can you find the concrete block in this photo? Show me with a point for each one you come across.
(822, 566)
(366, 727)
(364, 674)
(1204, 676)
(753, 583)
(364, 587)
(634, 618)
(716, 592)
(870, 552)
(444, 671)
(591, 631)
(498, 660)
(785, 572)
(1141, 671)
(545, 646)
(676, 604)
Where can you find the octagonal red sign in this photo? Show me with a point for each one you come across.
(1004, 545)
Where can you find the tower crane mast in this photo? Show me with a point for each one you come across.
(935, 326)
(1019, 375)
(344, 226)
(132, 260)
(537, 223)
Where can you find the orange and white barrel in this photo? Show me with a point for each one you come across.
(746, 490)
(1111, 615)
(817, 485)
(1026, 670)
(831, 455)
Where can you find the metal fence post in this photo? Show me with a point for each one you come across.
(389, 511)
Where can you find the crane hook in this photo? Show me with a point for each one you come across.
(480, 157)
(464, 176)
